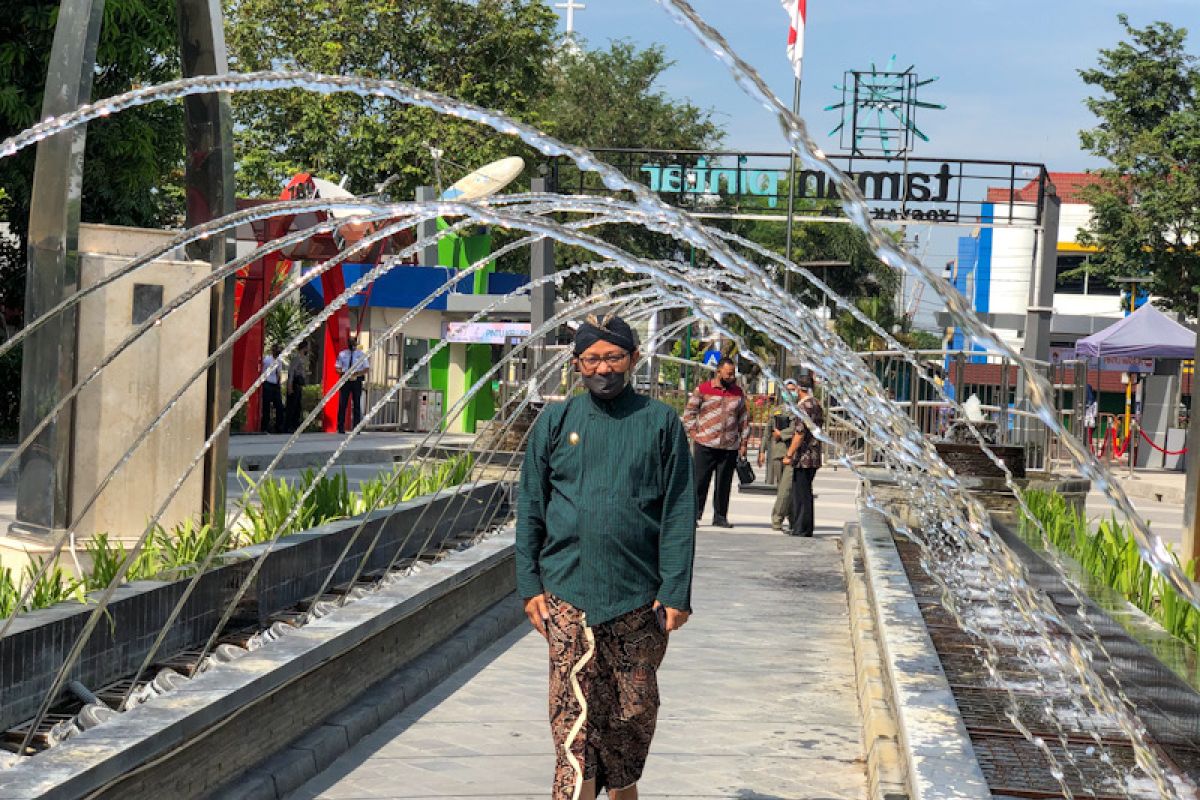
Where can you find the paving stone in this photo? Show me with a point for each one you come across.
(759, 690)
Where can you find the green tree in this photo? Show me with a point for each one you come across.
(610, 98)
(133, 161)
(1146, 207)
(492, 53)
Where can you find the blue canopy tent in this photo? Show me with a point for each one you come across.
(1146, 333)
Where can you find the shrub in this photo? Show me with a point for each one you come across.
(1110, 554)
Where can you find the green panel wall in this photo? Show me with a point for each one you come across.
(461, 252)
(482, 405)
(439, 368)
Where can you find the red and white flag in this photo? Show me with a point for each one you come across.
(797, 11)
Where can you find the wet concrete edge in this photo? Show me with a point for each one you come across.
(941, 762)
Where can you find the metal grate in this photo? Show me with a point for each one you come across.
(1015, 767)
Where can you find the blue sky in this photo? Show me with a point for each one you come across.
(1008, 70)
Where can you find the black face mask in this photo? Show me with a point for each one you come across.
(605, 387)
(728, 382)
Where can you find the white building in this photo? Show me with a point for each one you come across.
(995, 265)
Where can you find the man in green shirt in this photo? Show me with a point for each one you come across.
(606, 526)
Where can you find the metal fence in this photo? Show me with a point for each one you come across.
(999, 384)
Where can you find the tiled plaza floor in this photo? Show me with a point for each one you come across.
(758, 690)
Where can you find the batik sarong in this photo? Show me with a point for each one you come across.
(603, 696)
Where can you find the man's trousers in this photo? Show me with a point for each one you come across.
(710, 461)
(272, 398)
(350, 394)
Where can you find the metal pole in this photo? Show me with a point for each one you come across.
(541, 265)
(1129, 382)
(1191, 513)
(791, 207)
(48, 364)
(208, 131)
(687, 336)
(1002, 433)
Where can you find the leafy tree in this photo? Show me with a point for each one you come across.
(1146, 207)
(133, 165)
(492, 53)
(609, 98)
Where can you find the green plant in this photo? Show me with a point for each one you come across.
(106, 557)
(286, 320)
(185, 546)
(10, 593)
(1111, 555)
(330, 497)
(54, 586)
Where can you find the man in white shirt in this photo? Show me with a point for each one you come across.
(352, 362)
(272, 396)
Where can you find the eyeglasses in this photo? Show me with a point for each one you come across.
(612, 359)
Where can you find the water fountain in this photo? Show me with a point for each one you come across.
(951, 536)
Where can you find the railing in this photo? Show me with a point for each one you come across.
(1000, 386)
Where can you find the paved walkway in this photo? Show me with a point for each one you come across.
(758, 690)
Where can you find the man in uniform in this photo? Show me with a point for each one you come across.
(272, 397)
(606, 524)
(352, 361)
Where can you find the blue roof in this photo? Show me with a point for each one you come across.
(405, 287)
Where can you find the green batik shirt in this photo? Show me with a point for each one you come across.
(606, 508)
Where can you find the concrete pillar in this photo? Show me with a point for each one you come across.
(456, 386)
(119, 404)
(428, 228)
(1041, 289)
(1158, 411)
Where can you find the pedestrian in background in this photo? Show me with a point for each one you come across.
(272, 395)
(783, 429)
(353, 362)
(718, 421)
(804, 455)
(297, 380)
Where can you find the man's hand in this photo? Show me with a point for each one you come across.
(787, 460)
(777, 434)
(539, 614)
(676, 619)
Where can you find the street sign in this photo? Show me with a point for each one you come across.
(711, 358)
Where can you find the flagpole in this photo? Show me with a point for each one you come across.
(791, 205)
(797, 14)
